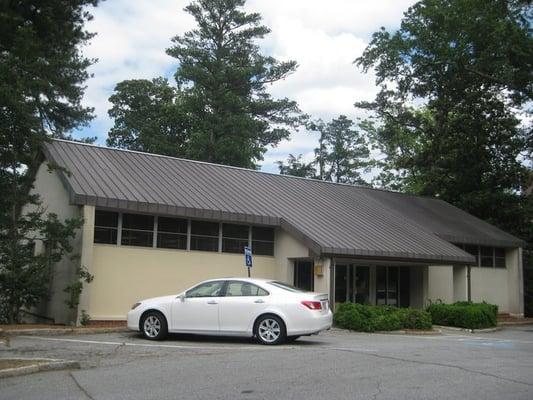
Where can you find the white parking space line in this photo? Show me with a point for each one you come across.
(322, 346)
(458, 338)
(170, 346)
(207, 347)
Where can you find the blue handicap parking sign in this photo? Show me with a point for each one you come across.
(248, 256)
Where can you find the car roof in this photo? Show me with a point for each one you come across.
(270, 285)
(236, 278)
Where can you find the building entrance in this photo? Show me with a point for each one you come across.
(389, 285)
(352, 284)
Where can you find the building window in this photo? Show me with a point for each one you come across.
(137, 230)
(304, 277)
(204, 235)
(234, 238)
(490, 257)
(263, 241)
(499, 257)
(486, 256)
(105, 227)
(172, 233)
(178, 233)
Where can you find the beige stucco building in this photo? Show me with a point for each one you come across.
(157, 225)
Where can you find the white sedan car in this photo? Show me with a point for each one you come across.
(271, 311)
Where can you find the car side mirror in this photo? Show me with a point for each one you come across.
(181, 297)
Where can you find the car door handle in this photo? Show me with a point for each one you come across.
(259, 301)
(212, 302)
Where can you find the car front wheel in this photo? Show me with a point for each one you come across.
(154, 325)
(270, 329)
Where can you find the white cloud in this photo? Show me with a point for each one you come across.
(324, 37)
(361, 17)
(131, 40)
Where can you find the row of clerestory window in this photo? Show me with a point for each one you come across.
(129, 229)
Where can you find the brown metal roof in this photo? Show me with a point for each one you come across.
(331, 219)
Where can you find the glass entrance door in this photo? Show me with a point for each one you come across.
(362, 285)
(341, 283)
(352, 284)
(392, 286)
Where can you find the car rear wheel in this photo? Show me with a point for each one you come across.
(269, 330)
(154, 325)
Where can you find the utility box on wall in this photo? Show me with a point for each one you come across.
(319, 269)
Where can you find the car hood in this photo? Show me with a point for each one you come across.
(159, 300)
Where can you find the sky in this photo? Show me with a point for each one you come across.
(323, 37)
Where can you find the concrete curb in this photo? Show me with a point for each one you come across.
(62, 331)
(466, 330)
(49, 364)
(514, 323)
(413, 332)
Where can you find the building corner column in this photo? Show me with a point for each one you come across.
(425, 286)
(321, 274)
(460, 283)
(440, 283)
(515, 281)
(86, 259)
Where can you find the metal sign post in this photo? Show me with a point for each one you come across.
(248, 258)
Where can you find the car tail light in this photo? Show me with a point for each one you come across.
(312, 305)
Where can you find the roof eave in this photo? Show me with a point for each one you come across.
(399, 256)
(512, 242)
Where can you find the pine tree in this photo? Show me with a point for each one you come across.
(41, 85)
(223, 77)
(342, 155)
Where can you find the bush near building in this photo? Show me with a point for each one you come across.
(464, 314)
(366, 318)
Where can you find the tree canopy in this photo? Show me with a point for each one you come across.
(342, 154)
(42, 72)
(148, 117)
(296, 166)
(471, 43)
(451, 80)
(220, 111)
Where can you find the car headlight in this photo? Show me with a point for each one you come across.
(133, 307)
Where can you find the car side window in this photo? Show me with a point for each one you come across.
(235, 289)
(207, 289)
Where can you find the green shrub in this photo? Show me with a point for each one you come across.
(365, 318)
(387, 322)
(464, 314)
(353, 316)
(85, 318)
(415, 319)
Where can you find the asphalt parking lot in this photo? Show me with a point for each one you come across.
(333, 365)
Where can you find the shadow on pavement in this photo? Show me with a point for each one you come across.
(173, 338)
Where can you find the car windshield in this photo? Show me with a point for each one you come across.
(286, 287)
